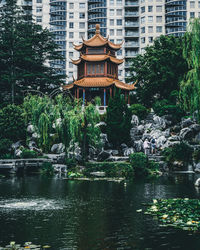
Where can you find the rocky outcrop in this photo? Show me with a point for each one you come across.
(58, 148)
(103, 155)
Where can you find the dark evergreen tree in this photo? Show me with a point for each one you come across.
(118, 120)
(25, 52)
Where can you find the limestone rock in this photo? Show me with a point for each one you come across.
(159, 122)
(128, 151)
(186, 122)
(30, 129)
(161, 141)
(134, 120)
(138, 145)
(186, 134)
(103, 155)
(58, 148)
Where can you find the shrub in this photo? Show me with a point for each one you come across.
(196, 155)
(139, 110)
(179, 152)
(71, 163)
(26, 153)
(12, 125)
(111, 169)
(5, 147)
(139, 162)
(47, 168)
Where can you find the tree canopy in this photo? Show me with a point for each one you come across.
(25, 52)
(159, 70)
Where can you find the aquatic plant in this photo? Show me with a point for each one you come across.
(27, 245)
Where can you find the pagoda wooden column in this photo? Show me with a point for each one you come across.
(83, 97)
(125, 96)
(104, 97)
(77, 93)
(85, 69)
(110, 92)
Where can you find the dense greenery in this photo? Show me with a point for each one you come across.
(118, 120)
(139, 110)
(5, 148)
(196, 155)
(25, 49)
(26, 153)
(179, 213)
(190, 86)
(179, 152)
(159, 70)
(47, 168)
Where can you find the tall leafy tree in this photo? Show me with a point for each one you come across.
(25, 52)
(159, 70)
(190, 86)
(118, 120)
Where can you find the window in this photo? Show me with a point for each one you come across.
(119, 12)
(150, 38)
(159, 29)
(119, 40)
(143, 9)
(112, 40)
(159, 8)
(143, 40)
(150, 8)
(71, 54)
(119, 32)
(111, 2)
(111, 12)
(112, 32)
(82, 15)
(120, 72)
(119, 52)
(119, 2)
(71, 35)
(198, 14)
(143, 19)
(81, 5)
(39, 1)
(81, 34)
(191, 14)
(192, 4)
(71, 25)
(143, 30)
(81, 25)
(70, 65)
(159, 19)
(71, 15)
(111, 22)
(119, 22)
(71, 5)
(39, 19)
(95, 68)
(150, 29)
(70, 74)
(70, 45)
(150, 19)
(198, 4)
(39, 9)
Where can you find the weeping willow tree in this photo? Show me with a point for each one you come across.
(190, 86)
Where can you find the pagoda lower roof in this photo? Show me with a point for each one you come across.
(97, 58)
(99, 82)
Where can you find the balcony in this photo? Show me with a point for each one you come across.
(131, 54)
(131, 14)
(131, 24)
(131, 4)
(131, 44)
(131, 34)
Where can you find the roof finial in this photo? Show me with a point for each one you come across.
(97, 28)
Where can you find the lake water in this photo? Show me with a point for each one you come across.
(88, 215)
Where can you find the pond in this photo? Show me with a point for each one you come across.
(90, 215)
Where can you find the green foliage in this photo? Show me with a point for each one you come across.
(47, 169)
(179, 152)
(97, 101)
(72, 174)
(12, 125)
(71, 163)
(179, 213)
(139, 110)
(142, 166)
(190, 86)
(27, 153)
(163, 107)
(111, 169)
(159, 70)
(118, 120)
(196, 155)
(5, 148)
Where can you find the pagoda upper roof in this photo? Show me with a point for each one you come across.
(98, 40)
(97, 58)
(96, 82)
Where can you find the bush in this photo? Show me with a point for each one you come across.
(139, 110)
(71, 163)
(196, 155)
(12, 125)
(139, 162)
(5, 147)
(26, 153)
(111, 169)
(179, 152)
(47, 168)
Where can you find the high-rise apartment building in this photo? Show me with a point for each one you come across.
(136, 23)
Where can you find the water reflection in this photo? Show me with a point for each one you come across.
(90, 215)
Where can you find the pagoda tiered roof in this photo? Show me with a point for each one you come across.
(97, 58)
(98, 40)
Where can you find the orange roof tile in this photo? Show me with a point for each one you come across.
(92, 82)
(97, 40)
(97, 58)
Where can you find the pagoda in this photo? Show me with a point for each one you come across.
(97, 73)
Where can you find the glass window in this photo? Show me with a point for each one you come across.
(70, 45)
(143, 30)
(39, 19)
(70, 65)
(112, 32)
(150, 38)
(150, 8)
(143, 40)
(81, 25)
(119, 40)
(198, 4)
(111, 12)
(81, 5)
(81, 34)
(71, 15)
(119, 32)
(71, 25)
(39, 1)
(159, 29)
(159, 19)
(119, 12)
(111, 2)
(143, 19)
(143, 9)
(119, 21)
(192, 15)
(39, 9)
(159, 8)
(119, 2)
(71, 34)
(111, 22)
(71, 5)
(150, 29)
(150, 19)
(119, 52)
(82, 15)
(192, 4)
(198, 14)
(71, 54)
